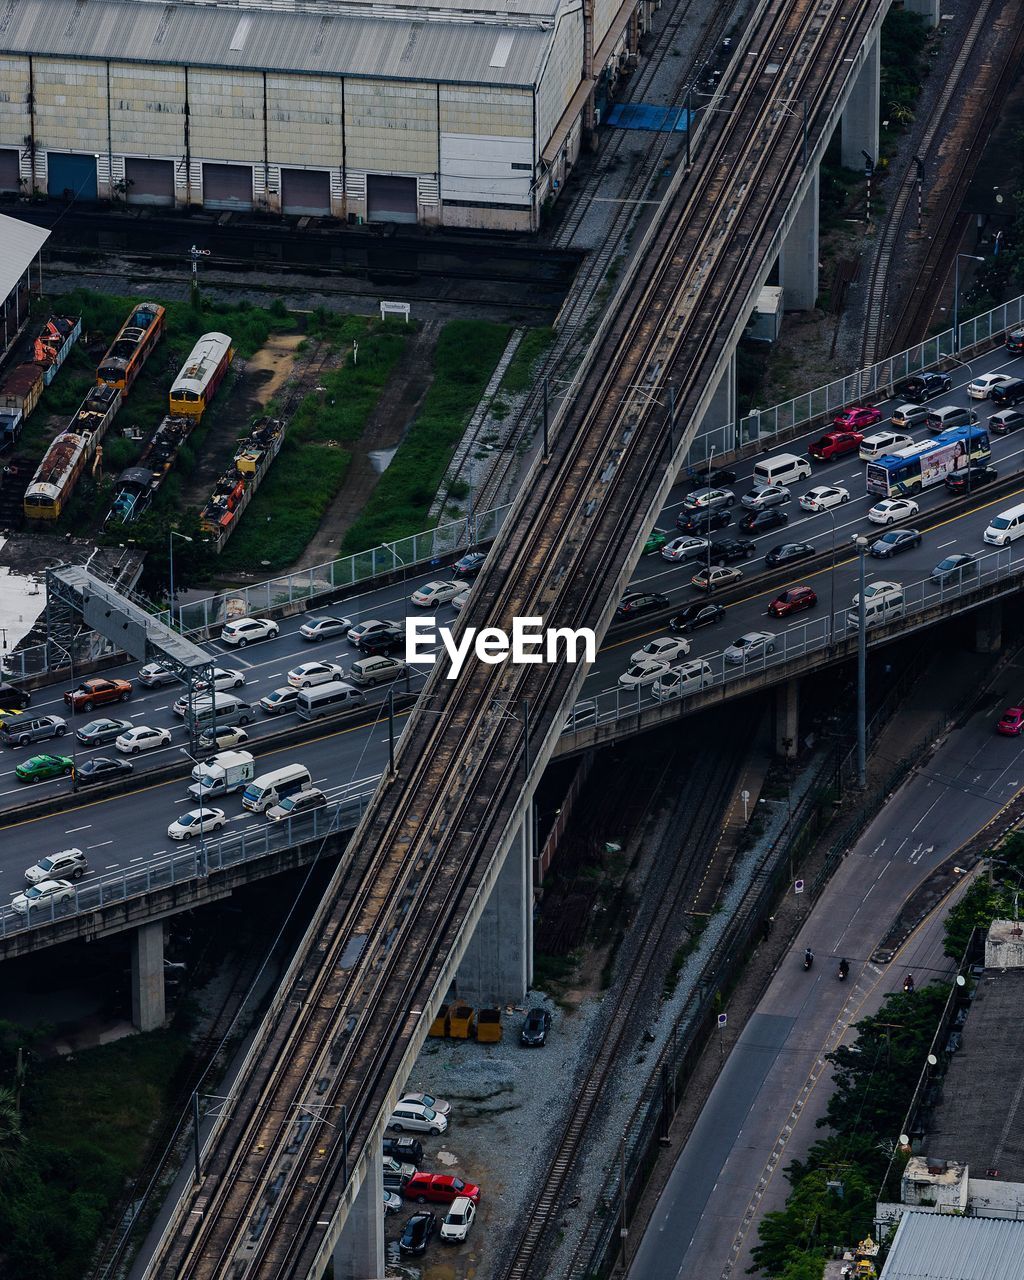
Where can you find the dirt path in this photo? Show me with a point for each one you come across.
(261, 379)
(374, 449)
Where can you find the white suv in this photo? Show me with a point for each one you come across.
(459, 1219)
(416, 1118)
(242, 630)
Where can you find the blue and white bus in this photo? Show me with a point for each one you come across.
(921, 465)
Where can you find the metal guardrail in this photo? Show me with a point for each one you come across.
(814, 636)
(196, 860)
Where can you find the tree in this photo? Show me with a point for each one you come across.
(11, 1137)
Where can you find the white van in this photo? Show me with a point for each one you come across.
(327, 700)
(1006, 527)
(882, 601)
(785, 469)
(684, 679)
(220, 709)
(270, 788)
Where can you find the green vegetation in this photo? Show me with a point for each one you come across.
(286, 513)
(873, 1084)
(467, 352)
(984, 902)
(83, 1126)
(519, 374)
(904, 37)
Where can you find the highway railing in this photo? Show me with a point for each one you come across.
(194, 860)
(816, 635)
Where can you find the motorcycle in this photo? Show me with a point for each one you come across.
(844, 969)
(908, 982)
(808, 958)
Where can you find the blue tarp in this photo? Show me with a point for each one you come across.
(635, 115)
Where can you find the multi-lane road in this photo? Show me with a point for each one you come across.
(127, 831)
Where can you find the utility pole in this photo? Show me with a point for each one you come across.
(869, 169)
(919, 163)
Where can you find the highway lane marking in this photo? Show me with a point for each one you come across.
(101, 844)
(71, 830)
(942, 545)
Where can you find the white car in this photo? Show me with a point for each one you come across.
(223, 739)
(244, 630)
(413, 1118)
(884, 442)
(154, 673)
(320, 628)
(437, 1105)
(356, 632)
(459, 603)
(432, 594)
(458, 1219)
(663, 649)
(981, 387)
(224, 678)
(684, 548)
(823, 496)
(69, 864)
(308, 674)
(142, 738)
(772, 495)
(196, 822)
(889, 510)
(638, 674)
(46, 894)
(878, 590)
(752, 644)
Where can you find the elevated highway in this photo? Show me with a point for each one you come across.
(289, 1155)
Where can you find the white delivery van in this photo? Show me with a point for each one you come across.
(327, 700)
(784, 469)
(1006, 527)
(226, 772)
(270, 788)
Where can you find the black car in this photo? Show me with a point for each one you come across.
(534, 1031)
(694, 616)
(788, 553)
(387, 639)
(702, 521)
(923, 386)
(12, 698)
(406, 1150)
(1008, 393)
(637, 603)
(1015, 341)
(101, 769)
(712, 479)
(470, 564)
(731, 550)
(967, 481)
(417, 1234)
(893, 541)
(762, 521)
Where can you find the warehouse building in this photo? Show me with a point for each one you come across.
(21, 276)
(409, 112)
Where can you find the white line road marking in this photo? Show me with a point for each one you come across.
(111, 866)
(101, 844)
(134, 859)
(70, 830)
(952, 543)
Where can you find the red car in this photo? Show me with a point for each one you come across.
(440, 1187)
(792, 601)
(94, 693)
(836, 444)
(858, 417)
(1011, 722)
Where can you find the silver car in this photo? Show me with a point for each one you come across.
(750, 645)
(772, 495)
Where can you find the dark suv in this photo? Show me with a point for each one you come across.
(731, 550)
(407, 1150)
(1009, 392)
(923, 386)
(702, 521)
(12, 698)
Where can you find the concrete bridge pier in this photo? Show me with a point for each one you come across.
(148, 1007)
(359, 1254)
(928, 9)
(861, 115)
(722, 409)
(988, 628)
(787, 719)
(798, 259)
(497, 967)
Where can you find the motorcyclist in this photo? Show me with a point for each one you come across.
(808, 957)
(908, 982)
(844, 968)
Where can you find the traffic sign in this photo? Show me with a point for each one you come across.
(798, 886)
(723, 1018)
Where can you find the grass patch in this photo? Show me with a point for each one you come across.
(519, 374)
(56, 1201)
(466, 354)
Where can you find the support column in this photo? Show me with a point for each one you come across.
(148, 1008)
(861, 114)
(928, 9)
(798, 259)
(721, 411)
(988, 628)
(359, 1254)
(787, 719)
(498, 965)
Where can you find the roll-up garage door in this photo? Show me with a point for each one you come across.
(390, 199)
(305, 191)
(70, 176)
(8, 171)
(150, 181)
(227, 186)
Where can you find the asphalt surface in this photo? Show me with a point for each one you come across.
(125, 831)
(774, 1084)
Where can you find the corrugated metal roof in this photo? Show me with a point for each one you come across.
(931, 1246)
(19, 244)
(454, 49)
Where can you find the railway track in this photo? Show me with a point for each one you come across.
(352, 1010)
(708, 785)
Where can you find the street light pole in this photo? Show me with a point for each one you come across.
(172, 534)
(973, 257)
(202, 866)
(74, 732)
(861, 544)
(707, 522)
(832, 585)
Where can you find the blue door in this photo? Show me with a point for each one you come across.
(70, 177)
